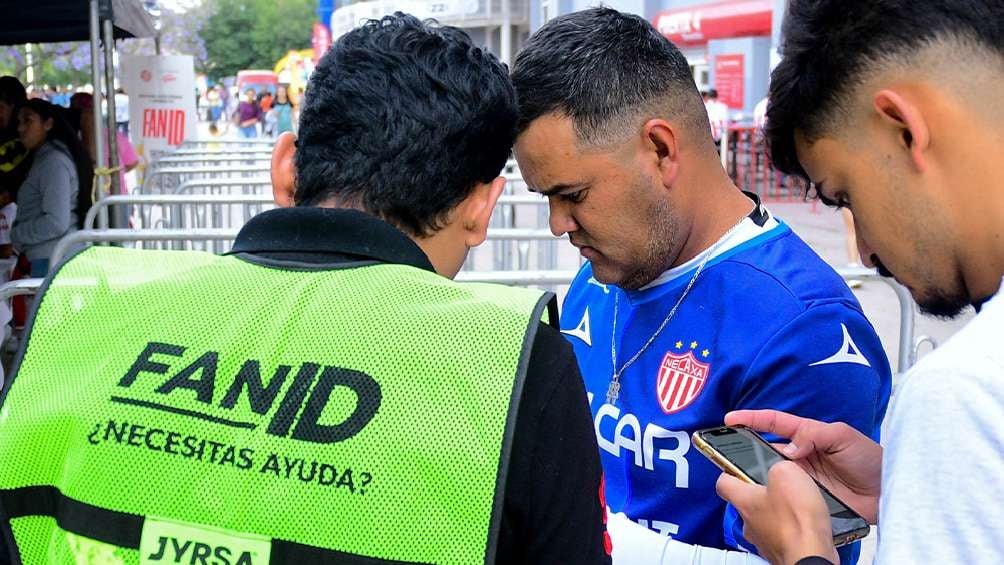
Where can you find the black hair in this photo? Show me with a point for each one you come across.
(830, 45)
(64, 132)
(595, 65)
(713, 94)
(12, 91)
(402, 118)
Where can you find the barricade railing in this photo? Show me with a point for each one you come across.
(260, 160)
(213, 199)
(198, 239)
(223, 152)
(230, 203)
(260, 185)
(164, 180)
(228, 143)
(908, 348)
(177, 209)
(746, 161)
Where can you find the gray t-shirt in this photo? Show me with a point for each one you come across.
(943, 467)
(46, 202)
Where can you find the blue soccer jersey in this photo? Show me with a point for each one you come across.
(767, 324)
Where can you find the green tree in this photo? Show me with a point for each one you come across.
(255, 34)
(53, 63)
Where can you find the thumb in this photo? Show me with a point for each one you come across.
(736, 491)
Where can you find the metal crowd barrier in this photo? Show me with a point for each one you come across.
(232, 210)
(908, 348)
(194, 238)
(745, 158)
(214, 144)
(215, 186)
(175, 203)
(221, 151)
(158, 180)
(251, 159)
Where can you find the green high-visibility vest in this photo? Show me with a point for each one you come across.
(182, 407)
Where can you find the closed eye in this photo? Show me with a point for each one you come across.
(839, 199)
(573, 197)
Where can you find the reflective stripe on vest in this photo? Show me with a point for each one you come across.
(182, 407)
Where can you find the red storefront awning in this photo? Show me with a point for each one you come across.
(697, 25)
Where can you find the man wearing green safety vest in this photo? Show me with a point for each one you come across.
(324, 393)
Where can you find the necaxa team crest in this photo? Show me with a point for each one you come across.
(681, 379)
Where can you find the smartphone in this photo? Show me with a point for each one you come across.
(742, 453)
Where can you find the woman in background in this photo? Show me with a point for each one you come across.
(283, 109)
(55, 196)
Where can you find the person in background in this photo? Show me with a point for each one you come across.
(265, 102)
(122, 110)
(83, 103)
(8, 213)
(8, 259)
(283, 110)
(718, 116)
(248, 115)
(226, 101)
(56, 194)
(14, 157)
(213, 104)
(760, 114)
(64, 96)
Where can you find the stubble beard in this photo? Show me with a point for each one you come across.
(660, 248)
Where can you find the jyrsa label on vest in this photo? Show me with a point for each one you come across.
(164, 541)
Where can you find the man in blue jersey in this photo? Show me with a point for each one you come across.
(695, 300)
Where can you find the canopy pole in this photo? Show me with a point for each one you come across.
(99, 146)
(113, 152)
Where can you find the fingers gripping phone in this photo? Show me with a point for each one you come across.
(742, 453)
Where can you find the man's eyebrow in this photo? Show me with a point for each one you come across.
(551, 191)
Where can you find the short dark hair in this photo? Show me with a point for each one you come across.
(12, 91)
(597, 66)
(830, 46)
(403, 118)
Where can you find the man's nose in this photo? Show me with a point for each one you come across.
(560, 219)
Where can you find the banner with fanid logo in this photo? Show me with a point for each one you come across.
(161, 92)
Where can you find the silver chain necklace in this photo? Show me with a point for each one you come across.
(613, 391)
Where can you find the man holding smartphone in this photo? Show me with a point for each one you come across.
(892, 108)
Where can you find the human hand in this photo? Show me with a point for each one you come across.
(842, 459)
(787, 520)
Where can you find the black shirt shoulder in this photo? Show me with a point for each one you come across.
(553, 511)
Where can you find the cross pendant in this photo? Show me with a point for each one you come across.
(613, 391)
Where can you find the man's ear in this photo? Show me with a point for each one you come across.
(284, 170)
(908, 122)
(662, 139)
(476, 210)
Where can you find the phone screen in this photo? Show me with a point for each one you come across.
(748, 451)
